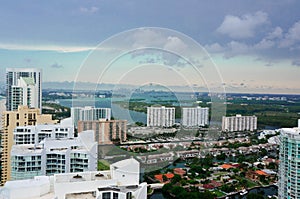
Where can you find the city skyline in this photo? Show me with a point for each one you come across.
(255, 48)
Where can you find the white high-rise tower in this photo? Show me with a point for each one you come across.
(160, 116)
(23, 87)
(194, 116)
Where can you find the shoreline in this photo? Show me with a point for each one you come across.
(248, 190)
(227, 195)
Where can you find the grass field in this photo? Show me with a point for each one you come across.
(103, 165)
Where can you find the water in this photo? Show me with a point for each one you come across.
(117, 111)
(157, 195)
(174, 99)
(272, 190)
(177, 165)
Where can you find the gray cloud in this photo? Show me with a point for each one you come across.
(277, 33)
(292, 36)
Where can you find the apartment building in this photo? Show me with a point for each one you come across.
(89, 113)
(194, 116)
(23, 87)
(106, 131)
(36, 134)
(289, 166)
(160, 116)
(24, 116)
(54, 155)
(239, 123)
(120, 182)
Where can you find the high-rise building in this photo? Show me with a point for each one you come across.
(194, 116)
(239, 123)
(23, 87)
(63, 155)
(10, 120)
(122, 181)
(160, 116)
(289, 166)
(36, 134)
(89, 113)
(106, 131)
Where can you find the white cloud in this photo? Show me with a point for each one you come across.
(90, 10)
(144, 37)
(236, 48)
(244, 26)
(214, 48)
(292, 36)
(175, 43)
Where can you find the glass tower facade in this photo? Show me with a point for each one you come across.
(289, 168)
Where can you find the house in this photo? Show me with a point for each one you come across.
(179, 171)
(160, 177)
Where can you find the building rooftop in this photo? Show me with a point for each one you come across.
(293, 133)
(123, 189)
(28, 80)
(85, 176)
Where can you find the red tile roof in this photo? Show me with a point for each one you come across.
(179, 171)
(160, 176)
(227, 166)
(261, 173)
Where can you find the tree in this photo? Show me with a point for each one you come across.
(165, 178)
(176, 179)
(262, 178)
(272, 165)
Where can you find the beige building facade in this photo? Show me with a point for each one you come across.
(106, 131)
(24, 116)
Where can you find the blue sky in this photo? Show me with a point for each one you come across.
(255, 44)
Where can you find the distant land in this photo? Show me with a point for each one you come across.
(69, 85)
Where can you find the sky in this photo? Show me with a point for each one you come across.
(252, 45)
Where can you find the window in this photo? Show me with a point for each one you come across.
(106, 195)
(115, 195)
(128, 195)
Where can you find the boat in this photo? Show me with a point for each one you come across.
(243, 192)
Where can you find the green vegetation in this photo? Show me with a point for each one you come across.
(58, 111)
(218, 193)
(269, 113)
(139, 106)
(102, 165)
